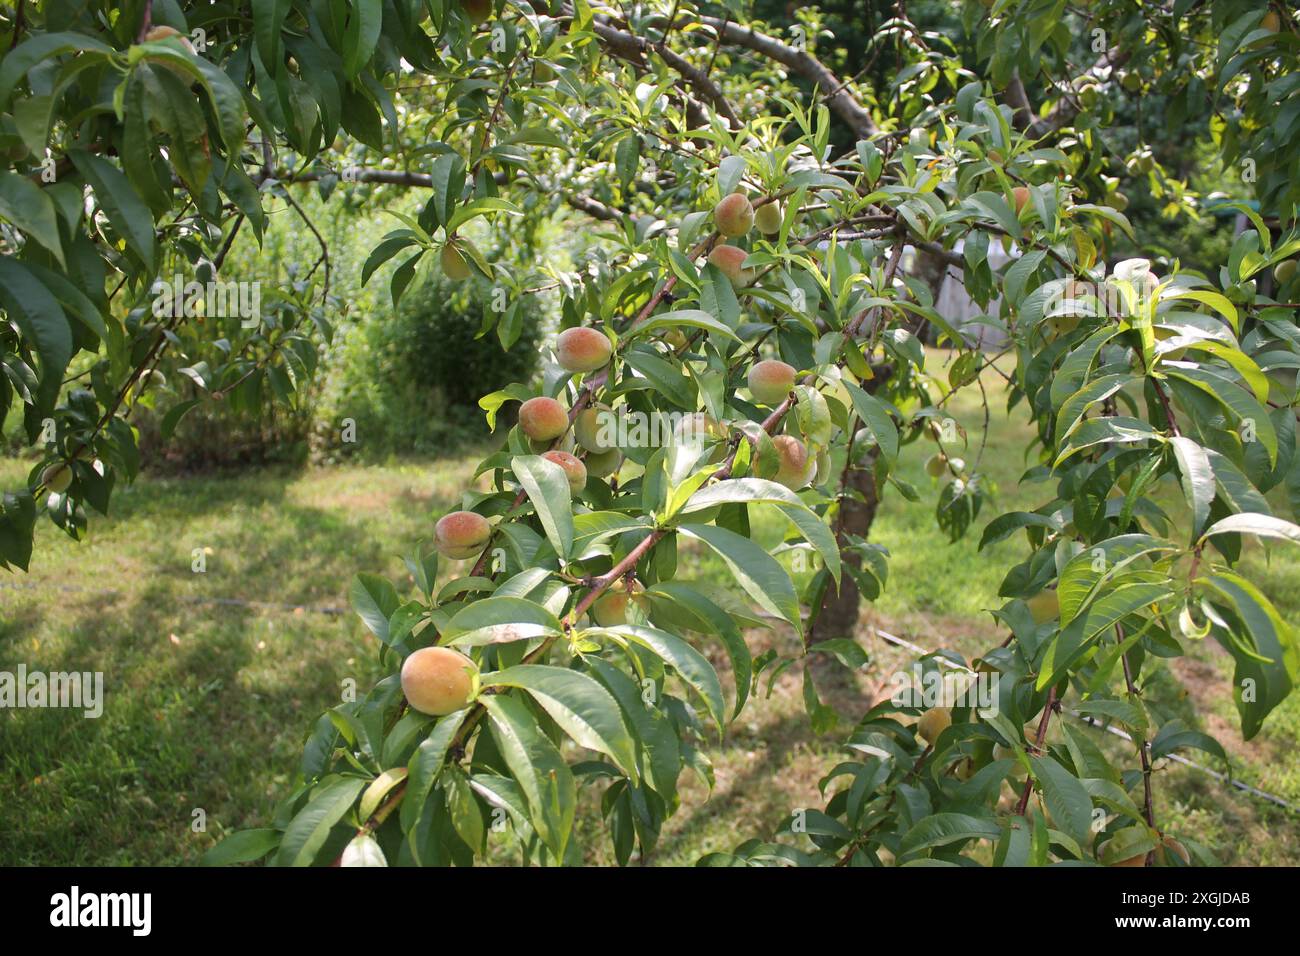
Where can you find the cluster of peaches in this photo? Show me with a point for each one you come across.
(439, 680)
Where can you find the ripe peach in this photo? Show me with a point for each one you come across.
(768, 218)
(454, 265)
(734, 215)
(729, 260)
(461, 534)
(438, 680)
(770, 381)
(934, 722)
(1021, 195)
(574, 469)
(543, 419)
(596, 428)
(582, 349)
(796, 468)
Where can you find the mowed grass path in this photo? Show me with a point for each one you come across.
(207, 703)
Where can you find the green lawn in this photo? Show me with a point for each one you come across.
(207, 702)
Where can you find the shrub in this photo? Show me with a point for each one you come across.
(410, 380)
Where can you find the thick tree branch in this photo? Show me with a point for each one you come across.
(839, 97)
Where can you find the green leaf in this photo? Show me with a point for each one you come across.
(1067, 799)
(1236, 400)
(693, 666)
(693, 318)
(426, 764)
(268, 22)
(33, 50)
(548, 490)
(540, 771)
(378, 789)
(120, 202)
(579, 704)
(362, 34)
(242, 847)
(500, 619)
(374, 599)
(760, 574)
(40, 320)
(749, 490)
(1265, 526)
(943, 828)
(1214, 300)
(309, 830)
(875, 415)
(1004, 526)
(1262, 644)
(464, 809)
(713, 619)
(174, 416)
(27, 206)
(1197, 479)
(1176, 735)
(1103, 431)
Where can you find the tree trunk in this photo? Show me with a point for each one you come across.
(838, 616)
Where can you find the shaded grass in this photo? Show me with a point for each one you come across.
(207, 704)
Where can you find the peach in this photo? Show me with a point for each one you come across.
(596, 428)
(57, 477)
(162, 32)
(461, 534)
(582, 349)
(454, 265)
(437, 680)
(770, 381)
(1044, 606)
(477, 10)
(729, 260)
(543, 419)
(610, 609)
(1021, 195)
(574, 469)
(734, 215)
(768, 217)
(702, 429)
(934, 722)
(796, 467)
(603, 464)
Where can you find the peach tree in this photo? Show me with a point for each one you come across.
(745, 333)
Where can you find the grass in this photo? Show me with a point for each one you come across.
(207, 703)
